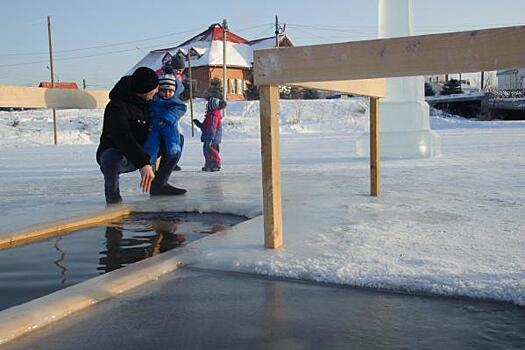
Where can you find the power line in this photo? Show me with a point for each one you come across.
(470, 25)
(86, 56)
(126, 42)
(305, 29)
(107, 45)
(253, 27)
(331, 29)
(310, 33)
(68, 58)
(94, 54)
(266, 30)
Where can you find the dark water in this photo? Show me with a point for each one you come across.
(38, 269)
(200, 309)
(237, 311)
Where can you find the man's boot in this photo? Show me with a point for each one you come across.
(160, 186)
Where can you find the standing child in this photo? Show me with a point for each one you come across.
(211, 136)
(165, 111)
(175, 65)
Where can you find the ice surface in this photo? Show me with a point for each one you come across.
(450, 225)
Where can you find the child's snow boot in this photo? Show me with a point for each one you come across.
(166, 190)
(160, 186)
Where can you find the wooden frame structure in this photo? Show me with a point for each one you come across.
(32, 97)
(360, 68)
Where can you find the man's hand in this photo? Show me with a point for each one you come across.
(146, 177)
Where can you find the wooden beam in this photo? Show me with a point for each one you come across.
(32, 97)
(375, 181)
(368, 87)
(39, 232)
(271, 173)
(460, 52)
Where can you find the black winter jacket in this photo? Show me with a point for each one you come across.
(126, 124)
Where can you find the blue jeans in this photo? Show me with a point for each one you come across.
(112, 164)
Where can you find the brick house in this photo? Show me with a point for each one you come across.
(206, 51)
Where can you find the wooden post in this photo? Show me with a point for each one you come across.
(191, 92)
(55, 137)
(224, 64)
(271, 173)
(374, 147)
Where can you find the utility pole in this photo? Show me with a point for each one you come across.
(224, 75)
(279, 30)
(276, 31)
(482, 80)
(55, 138)
(191, 91)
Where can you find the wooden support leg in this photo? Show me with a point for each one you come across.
(271, 172)
(374, 147)
(55, 134)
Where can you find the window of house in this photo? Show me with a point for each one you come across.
(240, 88)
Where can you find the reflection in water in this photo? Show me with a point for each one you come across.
(122, 251)
(216, 228)
(63, 269)
(277, 320)
(59, 262)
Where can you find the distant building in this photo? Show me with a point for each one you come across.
(64, 85)
(206, 51)
(511, 79)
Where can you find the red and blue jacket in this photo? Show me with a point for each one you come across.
(211, 128)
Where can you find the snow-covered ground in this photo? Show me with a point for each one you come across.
(452, 225)
(83, 127)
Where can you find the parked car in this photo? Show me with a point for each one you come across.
(451, 87)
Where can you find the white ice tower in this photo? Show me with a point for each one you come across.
(404, 122)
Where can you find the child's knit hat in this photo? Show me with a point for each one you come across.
(168, 82)
(178, 61)
(213, 103)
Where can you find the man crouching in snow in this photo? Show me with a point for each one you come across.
(126, 125)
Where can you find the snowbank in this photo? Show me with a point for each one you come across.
(83, 127)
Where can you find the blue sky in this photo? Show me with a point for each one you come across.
(123, 31)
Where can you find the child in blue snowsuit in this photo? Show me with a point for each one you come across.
(211, 136)
(165, 111)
